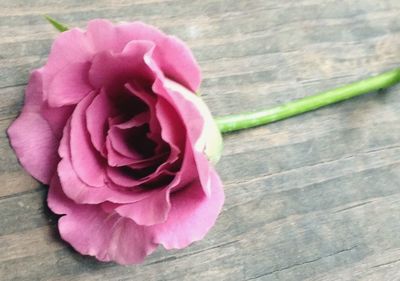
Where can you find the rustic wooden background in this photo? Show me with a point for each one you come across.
(316, 197)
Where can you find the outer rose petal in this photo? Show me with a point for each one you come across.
(191, 216)
(194, 122)
(152, 210)
(210, 139)
(33, 93)
(92, 231)
(112, 70)
(69, 47)
(177, 62)
(56, 199)
(35, 145)
(57, 118)
(108, 237)
(69, 85)
(171, 54)
(36, 148)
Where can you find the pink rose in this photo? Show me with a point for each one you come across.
(112, 123)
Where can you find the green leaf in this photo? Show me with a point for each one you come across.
(58, 25)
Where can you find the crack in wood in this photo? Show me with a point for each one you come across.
(387, 263)
(353, 206)
(301, 263)
(172, 258)
(13, 86)
(266, 176)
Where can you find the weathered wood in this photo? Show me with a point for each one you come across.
(316, 197)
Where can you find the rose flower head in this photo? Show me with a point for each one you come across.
(112, 124)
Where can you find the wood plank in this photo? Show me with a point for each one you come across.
(316, 197)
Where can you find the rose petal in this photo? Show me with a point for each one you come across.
(127, 138)
(115, 159)
(97, 115)
(69, 85)
(187, 171)
(172, 131)
(136, 121)
(86, 160)
(156, 207)
(57, 117)
(210, 140)
(150, 99)
(79, 191)
(194, 124)
(159, 202)
(34, 93)
(190, 111)
(121, 177)
(171, 54)
(108, 237)
(35, 145)
(105, 36)
(177, 62)
(56, 199)
(152, 210)
(113, 70)
(191, 216)
(70, 47)
(36, 149)
(92, 231)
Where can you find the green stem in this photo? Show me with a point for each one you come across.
(252, 119)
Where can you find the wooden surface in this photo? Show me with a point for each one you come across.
(316, 197)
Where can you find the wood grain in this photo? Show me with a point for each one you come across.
(316, 197)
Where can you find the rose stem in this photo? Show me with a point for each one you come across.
(252, 119)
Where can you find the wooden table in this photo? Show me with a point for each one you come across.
(316, 197)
